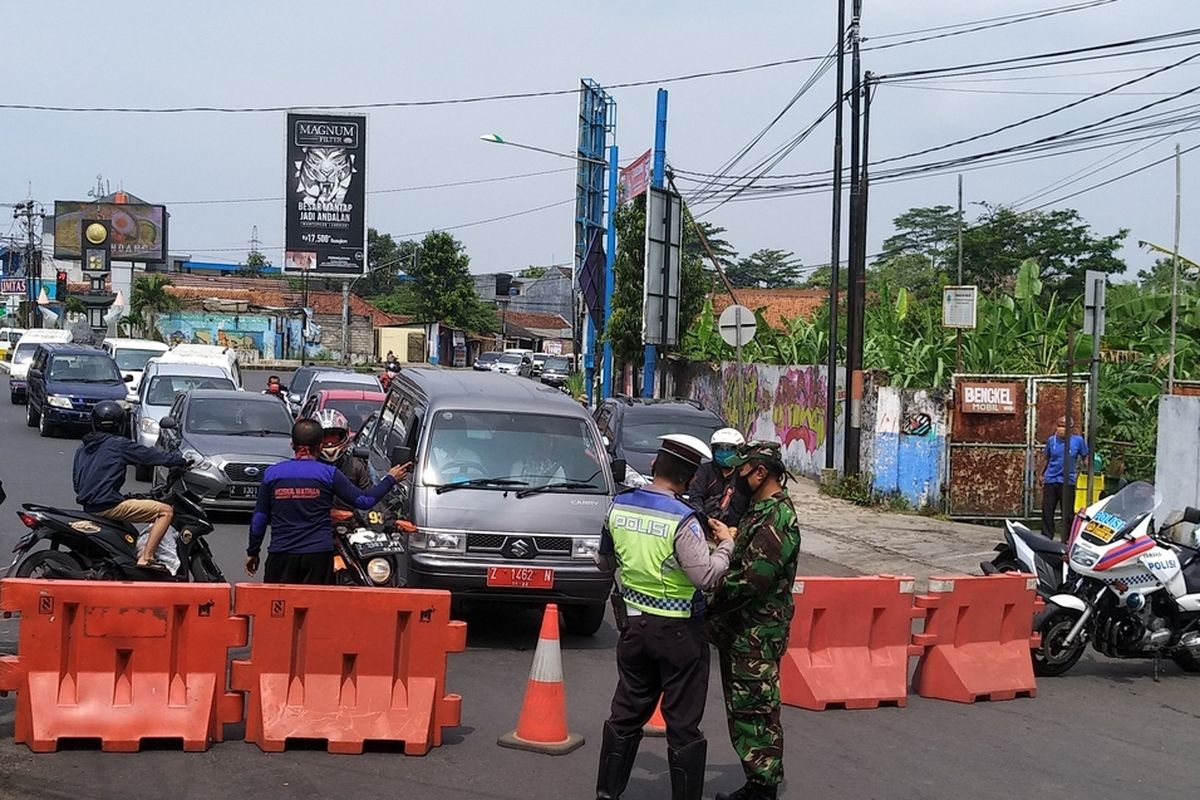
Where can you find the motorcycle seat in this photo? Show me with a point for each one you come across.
(74, 513)
(1040, 544)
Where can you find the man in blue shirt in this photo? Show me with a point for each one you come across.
(1055, 456)
(295, 500)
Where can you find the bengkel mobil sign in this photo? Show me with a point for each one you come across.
(989, 398)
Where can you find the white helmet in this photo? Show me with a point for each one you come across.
(336, 430)
(727, 437)
(684, 447)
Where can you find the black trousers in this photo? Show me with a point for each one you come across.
(1052, 498)
(662, 657)
(310, 568)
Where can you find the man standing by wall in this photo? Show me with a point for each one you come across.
(1059, 467)
(749, 617)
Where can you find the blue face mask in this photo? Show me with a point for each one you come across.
(724, 455)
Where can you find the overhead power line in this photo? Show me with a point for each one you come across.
(1120, 177)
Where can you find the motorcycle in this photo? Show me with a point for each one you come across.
(1024, 550)
(87, 547)
(1130, 592)
(369, 549)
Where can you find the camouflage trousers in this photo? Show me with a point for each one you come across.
(751, 688)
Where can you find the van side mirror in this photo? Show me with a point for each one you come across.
(128, 379)
(619, 468)
(360, 452)
(168, 424)
(400, 455)
(1191, 515)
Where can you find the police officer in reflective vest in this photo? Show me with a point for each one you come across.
(658, 541)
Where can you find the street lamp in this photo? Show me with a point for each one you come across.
(611, 239)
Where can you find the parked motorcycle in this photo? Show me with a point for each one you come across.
(1024, 550)
(87, 547)
(369, 549)
(1129, 592)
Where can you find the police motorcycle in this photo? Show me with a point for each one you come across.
(1025, 550)
(1130, 592)
(369, 548)
(84, 546)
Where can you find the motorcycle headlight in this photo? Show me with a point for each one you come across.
(379, 570)
(585, 547)
(149, 426)
(1082, 556)
(58, 401)
(445, 542)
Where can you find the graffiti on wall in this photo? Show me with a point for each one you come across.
(242, 332)
(785, 404)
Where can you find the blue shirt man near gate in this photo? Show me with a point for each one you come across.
(1060, 458)
(295, 501)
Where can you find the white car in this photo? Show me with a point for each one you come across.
(131, 356)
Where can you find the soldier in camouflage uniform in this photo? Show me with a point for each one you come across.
(749, 616)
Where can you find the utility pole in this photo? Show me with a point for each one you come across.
(1068, 501)
(346, 321)
(304, 319)
(1175, 271)
(503, 323)
(835, 248)
(958, 331)
(855, 280)
(30, 215)
(650, 355)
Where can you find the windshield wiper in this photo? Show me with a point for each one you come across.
(546, 487)
(476, 483)
(259, 432)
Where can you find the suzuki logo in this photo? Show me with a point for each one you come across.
(253, 472)
(519, 548)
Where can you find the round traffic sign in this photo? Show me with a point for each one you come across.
(737, 325)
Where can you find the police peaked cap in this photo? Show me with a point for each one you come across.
(685, 448)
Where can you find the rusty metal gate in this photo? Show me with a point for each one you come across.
(999, 424)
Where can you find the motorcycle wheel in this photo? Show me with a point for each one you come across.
(204, 571)
(1186, 661)
(1007, 565)
(47, 565)
(1052, 659)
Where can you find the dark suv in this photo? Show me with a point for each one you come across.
(631, 427)
(65, 381)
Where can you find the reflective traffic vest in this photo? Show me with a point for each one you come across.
(642, 525)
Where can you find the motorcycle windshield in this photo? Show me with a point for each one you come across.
(1134, 501)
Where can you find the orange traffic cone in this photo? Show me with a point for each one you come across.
(542, 726)
(657, 726)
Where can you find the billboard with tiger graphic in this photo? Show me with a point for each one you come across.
(325, 222)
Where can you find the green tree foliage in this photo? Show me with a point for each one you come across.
(929, 232)
(766, 269)
(625, 328)
(533, 272)
(150, 298)
(254, 265)
(442, 287)
(385, 259)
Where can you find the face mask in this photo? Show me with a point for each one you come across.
(743, 484)
(724, 455)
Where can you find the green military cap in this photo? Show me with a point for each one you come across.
(770, 453)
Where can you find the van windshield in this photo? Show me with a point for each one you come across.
(24, 353)
(510, 358)
(130, 359)
(89, 368)
(163, 388)
(534, 449)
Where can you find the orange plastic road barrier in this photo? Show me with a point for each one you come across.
(978, 635)
(120, 662)
(542, 726)
(848, 645)
(657, 726)
(347, 666)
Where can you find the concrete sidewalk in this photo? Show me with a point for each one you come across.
(866, 541)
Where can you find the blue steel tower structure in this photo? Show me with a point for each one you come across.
(597, 127)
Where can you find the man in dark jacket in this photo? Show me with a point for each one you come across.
(714, 488)
(335, 449)
(99, 474)
(295, 500)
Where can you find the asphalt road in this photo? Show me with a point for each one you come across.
(1105, 730)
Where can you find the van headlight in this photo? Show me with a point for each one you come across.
(585, 547)
(443, 542)
(379, 570)
(58, 401)
(149, 426)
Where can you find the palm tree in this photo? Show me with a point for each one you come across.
(151, 298)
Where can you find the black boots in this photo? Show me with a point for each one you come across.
(687, 770)
(751, 791)
(617, 754)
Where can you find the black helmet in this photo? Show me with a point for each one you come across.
(109, 416)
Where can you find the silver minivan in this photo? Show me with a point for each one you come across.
(509, 489)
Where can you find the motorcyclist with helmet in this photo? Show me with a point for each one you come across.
(714, 488)
(99, 474)
(335, 449)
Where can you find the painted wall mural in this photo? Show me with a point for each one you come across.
(785, 404)
(241, 331)
(909, 444)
